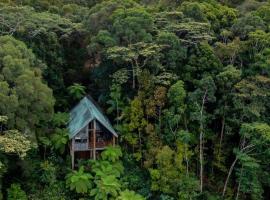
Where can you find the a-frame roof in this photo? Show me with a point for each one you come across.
(85, 112)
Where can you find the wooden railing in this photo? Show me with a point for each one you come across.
(80, 146)
(86, 146)
(100, 144)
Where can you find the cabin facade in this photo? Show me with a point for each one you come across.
(90, 131)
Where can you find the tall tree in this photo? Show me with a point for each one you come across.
(25, 99)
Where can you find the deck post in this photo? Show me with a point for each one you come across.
(94, 139)
(72, 153)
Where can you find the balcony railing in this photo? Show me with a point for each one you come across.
(83, 146)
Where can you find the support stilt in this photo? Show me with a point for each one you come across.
(94, 140)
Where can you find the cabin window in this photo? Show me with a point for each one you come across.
(80, 140)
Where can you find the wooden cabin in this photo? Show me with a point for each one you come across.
(89, 131)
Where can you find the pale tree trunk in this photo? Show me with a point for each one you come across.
(228, 176)
(222, 132)
(233, 165)
(221, 137)
(201, 141)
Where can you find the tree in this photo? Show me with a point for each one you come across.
(60, 139)
(253, 155)
(99, 16)
(225, 81)
(79, 181)
(202, 62)
(47, 34)
(137, 55)
(107, 186)
(112, 154)
(25, 99)
(251, 98)
(204, 94)
(129, 195)
(173, 52)
(132, 25)
(107, 172)
(261, 66)
(219, 16)
(229, 53)
(15, 192)
(76, 91)
(174, 116)
(117, 101)
(14, 142)
(137, 123)
(246, 24)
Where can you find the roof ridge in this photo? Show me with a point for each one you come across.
(92, 100)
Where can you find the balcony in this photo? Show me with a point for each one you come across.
(80, 146)
(84, 146)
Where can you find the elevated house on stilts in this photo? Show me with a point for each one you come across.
(90, 131)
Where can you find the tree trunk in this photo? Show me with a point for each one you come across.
(242, 149)
(228, 176)
(221, 137)
(201, 141)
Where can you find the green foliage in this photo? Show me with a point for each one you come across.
(202, 62)
(178, 78)
(176, 96)
(44, 32)
(60, 119)
(107, 186)
(261, 65)
(15, 192)
(216, 14)
(76, 91)
(107, 172)
(112, 154)
(79, 181)
(169, 167)
(254, 159)
(247, 24)
(132, 25)
(189, 188)
(251, 96)
(51, 192)
(25, 99)
(129, 195)
(59, 139)
(173, 52)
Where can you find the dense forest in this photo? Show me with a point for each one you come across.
(185, 83)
